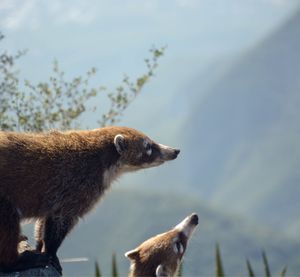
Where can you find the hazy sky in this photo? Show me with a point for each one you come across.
(116, 34)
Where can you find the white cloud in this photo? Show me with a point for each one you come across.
(80, 12)
(187, 3)
(79, 16)
(18, 14)
(33, 14)
(7, 5)
(279, 2)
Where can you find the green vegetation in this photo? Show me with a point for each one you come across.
(114, 267)
(180, 270)
(249, 268)
(58, 102)
(220, 270)
(97, 270)
(218, 263)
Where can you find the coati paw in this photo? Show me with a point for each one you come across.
(23, 238)
(54, 261)
(27, 260)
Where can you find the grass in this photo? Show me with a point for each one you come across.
(219, 268)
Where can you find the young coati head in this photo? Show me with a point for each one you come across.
(161, 255)
(137, 151)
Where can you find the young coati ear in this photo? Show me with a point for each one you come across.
(120, 143)
(132, 254)
(162, 271)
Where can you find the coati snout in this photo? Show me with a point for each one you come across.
(161, 255)
(168, 153)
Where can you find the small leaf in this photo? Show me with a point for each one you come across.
(219, 265)
(250, 270)
(114, 268)
(97, 270)
(283, 272)
(180, 270)
(266, 264)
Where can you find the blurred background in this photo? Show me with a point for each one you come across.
(226, 92)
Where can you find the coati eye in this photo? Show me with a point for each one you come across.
(178, 247)
(149, 151)
(148, 148)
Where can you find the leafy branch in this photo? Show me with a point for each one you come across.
(58, 102)
(124, 94)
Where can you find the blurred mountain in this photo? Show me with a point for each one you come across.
(243, 134)
(127, 217)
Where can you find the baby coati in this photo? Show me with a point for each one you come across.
(161, 255)
(57, 178)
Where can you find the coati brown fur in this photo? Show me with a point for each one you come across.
(161, 255)
(58, 177)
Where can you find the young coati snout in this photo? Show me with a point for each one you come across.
(58, 177)
(161, 255)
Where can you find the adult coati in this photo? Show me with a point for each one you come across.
(57, 178)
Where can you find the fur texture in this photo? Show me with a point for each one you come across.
(161, 255)
(58, 177)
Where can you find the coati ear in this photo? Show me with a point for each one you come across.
(132, 254)
(120, 143)
(162, 271)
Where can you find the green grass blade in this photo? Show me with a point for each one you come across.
(179, 274)
(114, 268)
(266, 264)
(97, 270)
(250, 270)
(283, 272)
(219, 265)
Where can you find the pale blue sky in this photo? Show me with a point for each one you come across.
(115, 35)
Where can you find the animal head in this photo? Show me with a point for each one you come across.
(161, 255)
(137, 151)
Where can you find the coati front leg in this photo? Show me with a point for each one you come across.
(9, 233)
(10, 259)
(39, 230)
(56, 229)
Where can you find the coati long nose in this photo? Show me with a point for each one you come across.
(168, 153)
(194, 219)
(175, 153)
(188, 225)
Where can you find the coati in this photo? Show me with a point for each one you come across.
(57, 177)
(161, 255)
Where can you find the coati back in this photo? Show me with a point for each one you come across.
(161, 255)
(58, 177)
